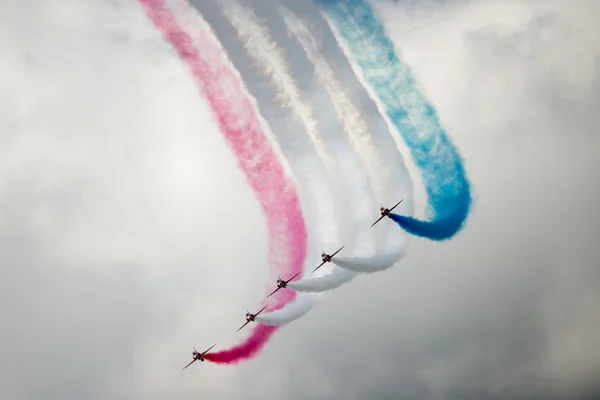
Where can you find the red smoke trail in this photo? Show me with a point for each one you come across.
(239, 123)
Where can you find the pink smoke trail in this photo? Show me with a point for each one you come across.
(241, 127)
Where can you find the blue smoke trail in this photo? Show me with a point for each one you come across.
(416, 120)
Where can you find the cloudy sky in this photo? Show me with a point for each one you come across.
(116, 257)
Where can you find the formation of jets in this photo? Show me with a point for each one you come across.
(281, 284)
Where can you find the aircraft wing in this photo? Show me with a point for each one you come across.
(261, 310)
(396, 204)
(289, 280)
(206, 351)
(189, 364)
(380, 218)
(273, 292)
(247, 322)
(323, 263)
(338, 251)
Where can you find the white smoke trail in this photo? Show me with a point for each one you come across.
(322, 283)
(272, 62)
(379, 262)
(301, 305)
(348, 115)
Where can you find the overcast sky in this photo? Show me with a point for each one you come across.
(116, 254)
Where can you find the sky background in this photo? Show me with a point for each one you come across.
(128, 235)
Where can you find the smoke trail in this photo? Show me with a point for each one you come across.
(324, 282)
(291, 311)
(377, 148)
(238, 122)
(348, 115)
(271, 61)
(378, 262)
(298, 149)
(390, 80)
(357, 131)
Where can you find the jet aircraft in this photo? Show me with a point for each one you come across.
(198, 356)
(327, 258)
(250, 317)
(385, 212)
(281, 284)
